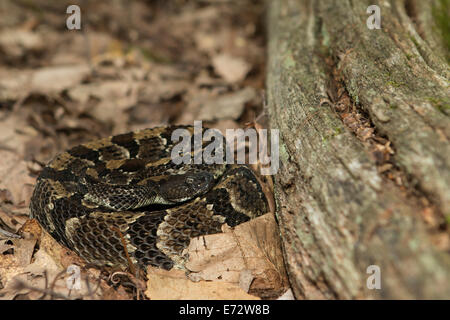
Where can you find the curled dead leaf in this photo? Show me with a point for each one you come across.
(252, 248)
(173, 285)
(227, 106)
(232, 69)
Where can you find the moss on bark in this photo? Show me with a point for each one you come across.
(338, 92)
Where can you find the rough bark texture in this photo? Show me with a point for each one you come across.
(364, 120)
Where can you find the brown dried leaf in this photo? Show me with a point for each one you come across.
(429, 216)
(15, 133)
(232, 69)
(62, 256)
(115, 97)
(6, 196)
(14, 177)
(223, 125)
(173, 285)
(227, 106)
(15, 263)
(162, 90)
(288, 295)
(16, 43)
(51, 80)
(45, 273)
(252, 246)
(111, 293)
(207, 42)
(12, 83)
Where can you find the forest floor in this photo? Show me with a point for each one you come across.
(133, 65)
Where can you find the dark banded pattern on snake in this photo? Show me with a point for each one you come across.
(127, 186)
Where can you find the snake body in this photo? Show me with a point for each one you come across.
(124, 196)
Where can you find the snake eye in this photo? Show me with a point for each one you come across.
(180, 188)
(198, 182)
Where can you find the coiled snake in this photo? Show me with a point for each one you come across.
(127, 187)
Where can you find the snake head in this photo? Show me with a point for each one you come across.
(183, 187)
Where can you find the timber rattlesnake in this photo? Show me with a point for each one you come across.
(127, 188)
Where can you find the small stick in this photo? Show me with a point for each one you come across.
(124, 244)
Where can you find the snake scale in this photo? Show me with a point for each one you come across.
(126, 190)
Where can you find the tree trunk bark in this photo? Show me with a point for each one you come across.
(364, 123)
